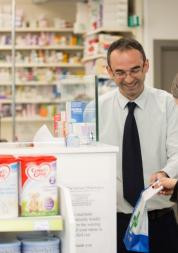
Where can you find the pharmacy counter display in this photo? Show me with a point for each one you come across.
(86, 180)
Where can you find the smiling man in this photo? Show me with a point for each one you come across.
(143, 122)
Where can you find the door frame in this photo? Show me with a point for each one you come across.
(159, 46)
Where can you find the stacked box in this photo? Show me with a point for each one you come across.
(78, 126)
(99, 44)
(114, 13)
(8, 186)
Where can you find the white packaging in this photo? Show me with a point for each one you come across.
(8, 187)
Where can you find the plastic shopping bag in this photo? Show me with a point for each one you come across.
(136, 236)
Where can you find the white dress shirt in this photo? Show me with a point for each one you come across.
(156, 115)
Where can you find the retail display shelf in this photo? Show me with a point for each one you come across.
(66, 81)
(28, 119)
(37, 29)
(30, 83)
(36, 47)
(5, 101)
(52, 223)
(33, 101)
(44, 29)
(42, 65)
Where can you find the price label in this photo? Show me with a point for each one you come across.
(41, 225)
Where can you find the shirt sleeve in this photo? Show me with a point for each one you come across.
(174, 197)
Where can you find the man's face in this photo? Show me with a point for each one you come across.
(128, 70)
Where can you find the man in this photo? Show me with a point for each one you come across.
(156, 118)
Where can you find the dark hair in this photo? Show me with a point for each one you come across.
(174, 87)
(125, 44)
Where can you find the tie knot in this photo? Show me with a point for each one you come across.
(131, 106)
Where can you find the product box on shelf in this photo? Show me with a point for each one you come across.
(75, 110)
(38, 186)
(8, 186)
(80, 126)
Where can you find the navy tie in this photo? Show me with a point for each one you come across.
(132, 169)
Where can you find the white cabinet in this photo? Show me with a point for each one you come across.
(89, 173)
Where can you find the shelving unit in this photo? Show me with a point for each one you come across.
(44, 56)
(65, 89)
(53, 224)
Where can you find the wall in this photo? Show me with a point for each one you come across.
(160, 22)
(54, 8)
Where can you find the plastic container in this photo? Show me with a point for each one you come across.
(41, 245)
(10, 246)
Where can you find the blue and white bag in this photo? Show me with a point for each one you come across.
(137, 237)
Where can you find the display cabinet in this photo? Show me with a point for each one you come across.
(86, 177)
(62, 226)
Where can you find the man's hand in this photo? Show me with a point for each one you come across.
(168, 185)
(158, 175)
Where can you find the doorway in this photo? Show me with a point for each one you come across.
(165, 63)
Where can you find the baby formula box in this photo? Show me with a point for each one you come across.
(38, 186)
(8, 187)
(43, 245)
(10, 246)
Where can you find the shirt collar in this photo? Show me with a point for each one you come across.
(140, 101)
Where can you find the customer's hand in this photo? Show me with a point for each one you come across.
(168, 185)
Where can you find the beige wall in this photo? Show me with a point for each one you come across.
(160, 22)
(63, 9)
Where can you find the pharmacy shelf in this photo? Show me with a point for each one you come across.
(42, 65)
(44, 29)
(27, 119)
(36, 29)
(30, 83)
(59, 54)
(52, 223)
(5, 101)
(36, 47)
(34, 101)
(72, 81)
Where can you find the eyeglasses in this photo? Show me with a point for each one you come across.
(133, 72)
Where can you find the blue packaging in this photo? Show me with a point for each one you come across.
(75, 110)
(10, 246)
(41, 245)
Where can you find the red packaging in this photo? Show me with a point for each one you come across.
(38, 186)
